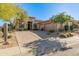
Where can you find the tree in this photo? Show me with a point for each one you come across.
(61, 18)
(10, 10)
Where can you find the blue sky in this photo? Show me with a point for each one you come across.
(1, 22)
(43, 11)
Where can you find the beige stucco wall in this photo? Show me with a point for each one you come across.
(53, 26)
(50, 26)
(40, 26)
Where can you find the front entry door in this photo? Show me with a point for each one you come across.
(29, 25)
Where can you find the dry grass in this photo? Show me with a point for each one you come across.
(11, 41)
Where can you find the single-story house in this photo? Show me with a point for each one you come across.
(49, 25)
(33, 23)
(29, 24)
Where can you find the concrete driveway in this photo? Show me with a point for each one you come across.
(24, 37)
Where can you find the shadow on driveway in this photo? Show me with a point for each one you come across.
(41, 47)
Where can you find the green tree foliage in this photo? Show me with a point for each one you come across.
(8, 10)
(61, 18)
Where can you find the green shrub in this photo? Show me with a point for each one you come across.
(51, 31)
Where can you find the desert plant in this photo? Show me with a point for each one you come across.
(9, 36)
(65, 35)
(51, 31)
(62, 35)
(70, 34)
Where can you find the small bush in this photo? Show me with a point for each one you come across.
(65, 35)
(62, 35)
(9, 36)
(71, 34)
(51, 31)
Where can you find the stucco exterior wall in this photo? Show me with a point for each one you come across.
(50, 26)
(53, 26)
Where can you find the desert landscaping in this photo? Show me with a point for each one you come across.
(28, 43)
(24, 35)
